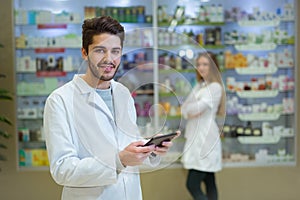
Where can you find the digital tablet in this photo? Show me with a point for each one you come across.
(157, 140)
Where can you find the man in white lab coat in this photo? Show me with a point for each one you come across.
(92, 139)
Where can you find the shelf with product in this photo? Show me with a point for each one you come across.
(271, 113)
(190, 37)
(136, 73)
(267, 101)
(176, 75)
(269, 19)
(170, 14)
(184, 32)
(31, 141)
(259, 66)
(30, 123)
(190, 26)
(251, 141)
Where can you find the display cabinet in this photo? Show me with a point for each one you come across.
(255, 47)
(259, 76)
(254, 43)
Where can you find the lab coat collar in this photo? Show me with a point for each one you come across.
(93, 97)
(120, 99)
(84, 87)
(123, 109)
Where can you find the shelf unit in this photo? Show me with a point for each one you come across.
(154, 84)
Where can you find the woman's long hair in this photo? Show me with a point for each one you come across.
(213, 76)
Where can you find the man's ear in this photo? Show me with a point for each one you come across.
(84, 54)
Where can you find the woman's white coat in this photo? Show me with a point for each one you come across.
(202, 149)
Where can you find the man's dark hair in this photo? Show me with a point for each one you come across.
(99, 25)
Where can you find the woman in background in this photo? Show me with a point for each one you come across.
(202, 152)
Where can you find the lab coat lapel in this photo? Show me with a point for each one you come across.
(93, 132)
(89, 125)
(122, 111)
(95, 100)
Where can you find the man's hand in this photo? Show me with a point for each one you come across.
(134, 154)
(165, 146)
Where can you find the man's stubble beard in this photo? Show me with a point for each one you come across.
(94, 69)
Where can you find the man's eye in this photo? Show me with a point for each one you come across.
(116, 52)
(99, 51)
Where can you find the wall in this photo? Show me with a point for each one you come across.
(274, 183)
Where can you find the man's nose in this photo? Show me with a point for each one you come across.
(108, 56)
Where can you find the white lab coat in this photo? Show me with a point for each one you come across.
(202, 150)
(83, 140)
